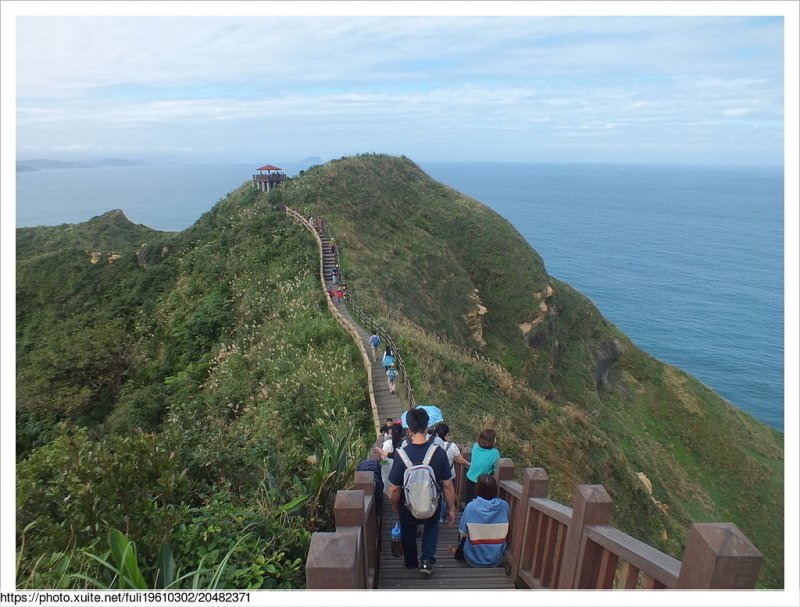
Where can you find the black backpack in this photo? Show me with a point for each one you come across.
(374, 466)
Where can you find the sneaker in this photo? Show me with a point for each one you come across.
(426, 568)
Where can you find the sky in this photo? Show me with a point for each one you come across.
(684, 89)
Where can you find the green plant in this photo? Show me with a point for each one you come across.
(334, 462)
(123, 566)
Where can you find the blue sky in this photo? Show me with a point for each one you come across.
(516, 88)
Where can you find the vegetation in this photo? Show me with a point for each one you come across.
(195, 392)
(179, 395)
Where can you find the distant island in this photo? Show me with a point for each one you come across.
(45, 164)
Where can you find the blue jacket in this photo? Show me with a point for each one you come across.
(485, 525)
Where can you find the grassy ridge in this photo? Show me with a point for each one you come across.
(572, 393)
(181, 399)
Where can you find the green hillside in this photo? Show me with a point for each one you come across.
(204, 370)
(572, 393)
(180, 396)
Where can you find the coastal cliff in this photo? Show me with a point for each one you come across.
(575, 395)
(200, 365)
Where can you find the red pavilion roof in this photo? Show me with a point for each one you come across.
(268, 167)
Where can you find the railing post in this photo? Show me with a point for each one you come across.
(504, 471)
(535, 483)
(348, 512)
(365, 481)
(333, 562)
(718, 555)
(466, 453)
(592, 506)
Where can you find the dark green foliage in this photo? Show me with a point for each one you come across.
(187, 387)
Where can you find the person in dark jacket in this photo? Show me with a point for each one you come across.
(415, 452)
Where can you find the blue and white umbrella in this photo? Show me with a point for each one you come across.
(434, 415)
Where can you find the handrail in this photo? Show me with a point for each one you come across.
(653, 563)
(553, 546)
(341, 319)
(348, 557)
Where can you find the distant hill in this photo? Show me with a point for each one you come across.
(109, 231)
(45, 164)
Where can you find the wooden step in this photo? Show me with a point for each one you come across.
(448, 573)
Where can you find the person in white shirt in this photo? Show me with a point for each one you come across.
(453, 454)
(396, 438)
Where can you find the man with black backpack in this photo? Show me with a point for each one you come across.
(420, 474)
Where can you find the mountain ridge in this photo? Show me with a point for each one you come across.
(433, 264)
(566, 389)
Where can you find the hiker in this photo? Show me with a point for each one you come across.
(415, 495)
(385, 429)
(335, 274)
(453, 454)
(484, 526)
(374, 342)
(333, 246)
(483, 460)
(339, 295)
(431, 437)
(391, 444)
(388, 359)
(391, 378)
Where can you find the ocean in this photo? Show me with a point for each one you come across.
(687, 261)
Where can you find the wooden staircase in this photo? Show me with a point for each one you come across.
(388, 404)
(448, 573)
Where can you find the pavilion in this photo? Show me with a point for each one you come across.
(268, 178)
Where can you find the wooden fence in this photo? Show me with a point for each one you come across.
(549, 546)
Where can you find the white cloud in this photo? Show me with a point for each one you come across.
(396, 77)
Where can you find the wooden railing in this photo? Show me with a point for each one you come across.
(552, 546)
(348, 557)
(549, 545)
